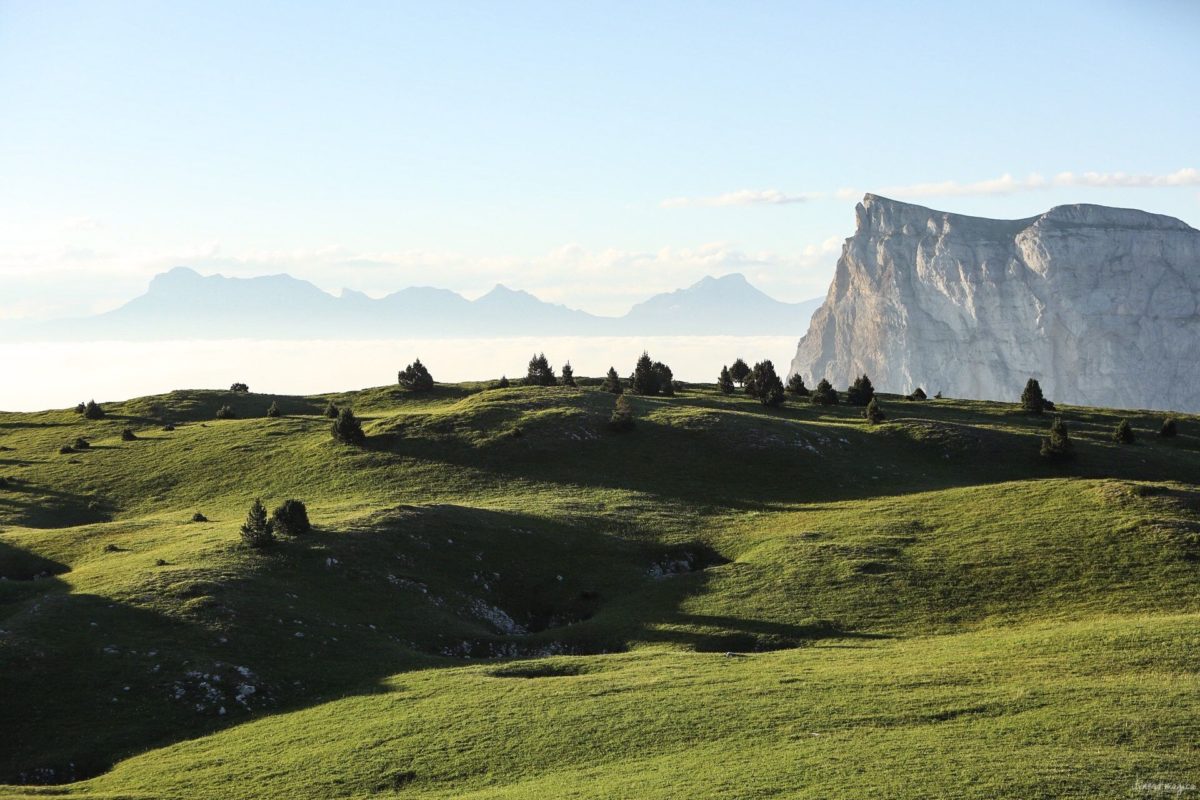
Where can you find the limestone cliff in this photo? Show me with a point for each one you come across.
(1099, 304)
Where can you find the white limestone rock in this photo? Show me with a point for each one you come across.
(1099, 304)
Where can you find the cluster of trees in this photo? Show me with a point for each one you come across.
(415, 377)
(90, 410)
(651, 378)
(290, 518)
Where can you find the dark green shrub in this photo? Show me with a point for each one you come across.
(1057, 446)
(168, 427)
(273, 409)
(291, 518)
(93, 410)
(725, 381)
(1123, 433)
(874, 413)
(568, 375)
(257, 530)
(198, 517)
(612, 382)
(796, 386)
(503, 382)
(239, 387)
(226, 412)
(825, 394)
(346, 428)
(415, 377)
(764, 383)
(917, 394)
(622, 415)
(331, 410)
(65, 449)
(739, 371)
(82, 407)
(861, 392)
(1168, 429)
(81, 444)
(1032, 399)
(127, 435)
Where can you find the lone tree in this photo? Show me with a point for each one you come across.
(1168, 429)
(796, 386)
(503, 382)
(622, 415)
(81, 443)
(1057, 446)
(93, 410)
(874, 413)
(127, 435)
(861, 392)
(918, 394)
(257, 530)
(645, 377)
(666, 379)
(226, 412)
(291, 518)
(1123, 433)
(540, 373)
(739, 371)
(415, 377)
(347, 428)
(239, 387)
(82, 407)
(273, 410)
(1032, 399)
(725, 381)
(825, 394)
(331, 410)
(764, 383)
(612, 382)
(568, 375)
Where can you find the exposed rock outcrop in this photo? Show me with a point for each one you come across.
(1098, 303)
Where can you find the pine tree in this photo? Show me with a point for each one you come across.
(1057, 446)
(1123, 433)
(1032, 399)
(645, 379)
(725, 381)
(796, 386)
(82, 407)
(739, 371)
(273, 410)
(257, 530)
(93, 410)
(568, 375)
(291, 518)
(861, 392)
(127, 435)
(346, 428)
(331, 410)
(415, 377)
(764, 383)
(503, 382)
(825, 394)
(622, 415)
(1168, 429)
(666, 379)
(874, 413)
(612, 382)
(918, 394)
(540, 373)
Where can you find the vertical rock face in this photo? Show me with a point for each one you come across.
(1099, 304)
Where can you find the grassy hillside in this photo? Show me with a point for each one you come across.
(502, 598)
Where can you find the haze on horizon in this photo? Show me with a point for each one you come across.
(592, 155)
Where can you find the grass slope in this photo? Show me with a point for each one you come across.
(727, 601)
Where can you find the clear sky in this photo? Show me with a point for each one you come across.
(589, 152)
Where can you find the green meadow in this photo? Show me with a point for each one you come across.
(503, 598)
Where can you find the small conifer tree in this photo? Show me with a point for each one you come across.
(291, 518)
(82, 407)
(93, 410)
(874, 413)
(725, 381)
(273, 409)
(1123, 433)
(1168, 429)
(825, 394)
(346, 428)
(568, 375)
(1032, 399)
(257, 530)
(796, 386)
(918, 394)
(127, 435)
(415, 377)
(645, 378)
(503, 382)
(622, 415)
(1057, 446)
(612, 382)
(861, 392)
(539, 372)
(739, 371)
(82, 444)
(331, 411)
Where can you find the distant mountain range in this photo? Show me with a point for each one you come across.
(182, 303)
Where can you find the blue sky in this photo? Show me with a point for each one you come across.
(589, 152)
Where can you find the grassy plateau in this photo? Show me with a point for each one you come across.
(502, 598)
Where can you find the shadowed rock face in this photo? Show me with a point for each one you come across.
(1099, 304)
